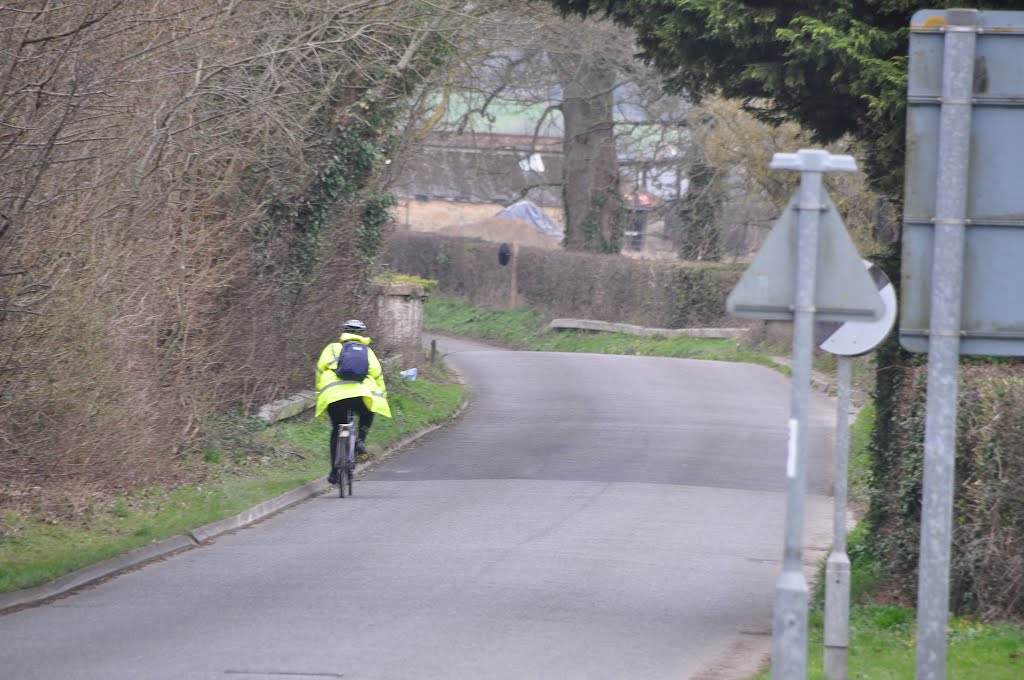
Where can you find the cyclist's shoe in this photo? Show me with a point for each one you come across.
(361, 455)
(333, 477)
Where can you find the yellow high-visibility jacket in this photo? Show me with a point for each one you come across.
(331, 388)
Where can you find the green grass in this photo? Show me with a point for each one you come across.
(526, 329)
(42, 551)
(882, 640)
(883, 637)
(241, 471)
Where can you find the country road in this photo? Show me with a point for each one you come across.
(589, 517)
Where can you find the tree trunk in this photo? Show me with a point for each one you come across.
(591, 195)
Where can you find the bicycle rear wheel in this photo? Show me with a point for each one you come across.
(346, 479)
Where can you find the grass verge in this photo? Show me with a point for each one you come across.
(883, 636)
(242, 464)
(526, 329)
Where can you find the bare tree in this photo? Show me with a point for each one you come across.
(621, 133)
(588, 79)
(178, 176)
(741, 147)
(568, 69)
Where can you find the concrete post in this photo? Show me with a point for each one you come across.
(400, 315)
(513, 298)
(837, 570)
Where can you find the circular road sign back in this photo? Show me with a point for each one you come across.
(853, 338)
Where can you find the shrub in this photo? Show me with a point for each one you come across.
(569, 284)
(987, 568)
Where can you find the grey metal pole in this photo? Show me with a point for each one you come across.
(944, 343)
(837, 569)
(789, 653)
(789, 626)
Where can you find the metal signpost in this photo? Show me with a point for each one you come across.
(965, 116)
(782, 283)
(837, 568)
(963, 241)
(846, 341)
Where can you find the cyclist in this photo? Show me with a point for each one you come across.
(339, 396)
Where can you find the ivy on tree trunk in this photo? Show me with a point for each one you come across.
(594, 216)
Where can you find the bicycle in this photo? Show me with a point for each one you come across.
(344, 459)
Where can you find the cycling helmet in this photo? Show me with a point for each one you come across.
(354, 326)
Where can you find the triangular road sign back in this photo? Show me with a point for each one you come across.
(843, 289)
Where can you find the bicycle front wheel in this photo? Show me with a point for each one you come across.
(350, 462)
(340, 464)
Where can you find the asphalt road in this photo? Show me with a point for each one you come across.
(588, 517)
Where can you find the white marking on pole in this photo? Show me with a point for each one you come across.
(794, 430)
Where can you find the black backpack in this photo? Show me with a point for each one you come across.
(353, 362)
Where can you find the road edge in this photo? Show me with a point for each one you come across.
(203, 535)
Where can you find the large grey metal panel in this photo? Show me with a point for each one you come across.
(992, 318)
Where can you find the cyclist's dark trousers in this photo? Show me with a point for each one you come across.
(339, 410)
